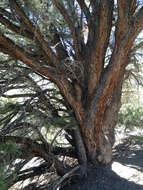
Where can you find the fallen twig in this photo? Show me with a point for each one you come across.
(68, 174)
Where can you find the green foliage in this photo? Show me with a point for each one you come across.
(8, 107)
(9, 148)
(131, 118)
(3, 184)
(8, 173)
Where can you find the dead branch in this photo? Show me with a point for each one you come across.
(67, 175)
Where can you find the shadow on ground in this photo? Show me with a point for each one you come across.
(128, 159)
(129, 153)
(103, 179)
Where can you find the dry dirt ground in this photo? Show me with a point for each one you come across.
(128, 159)
(126, 173)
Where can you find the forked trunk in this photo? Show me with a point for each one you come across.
(99, 139)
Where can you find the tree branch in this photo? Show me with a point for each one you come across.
(37, 150)
(8, 47)
(85, 9)
(101, 34)
(115, 69)
(119, 59)
(65, 15)
(132, 6)
(16, 28)
(67, 175)
(125, 9)
(65, 151)
(56, 41)
(36, 33)
(18, 95)
(138, 20)
(137, 47)
(32, 172)
(6, 13)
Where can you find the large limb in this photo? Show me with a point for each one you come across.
(99, 32)
(111, 76)
(8, 47)
(116, 66)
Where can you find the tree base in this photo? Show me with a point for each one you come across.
(100, 178)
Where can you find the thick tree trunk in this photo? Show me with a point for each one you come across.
(99, 140)
(98, 146)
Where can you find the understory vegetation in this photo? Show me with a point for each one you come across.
(131, 118)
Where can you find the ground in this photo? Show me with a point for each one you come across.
(126, 173)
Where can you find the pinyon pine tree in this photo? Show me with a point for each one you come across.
(82, 48)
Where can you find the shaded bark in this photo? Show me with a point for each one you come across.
(82, 157)
(111, 113)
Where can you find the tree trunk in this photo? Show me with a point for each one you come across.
(99, 140)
